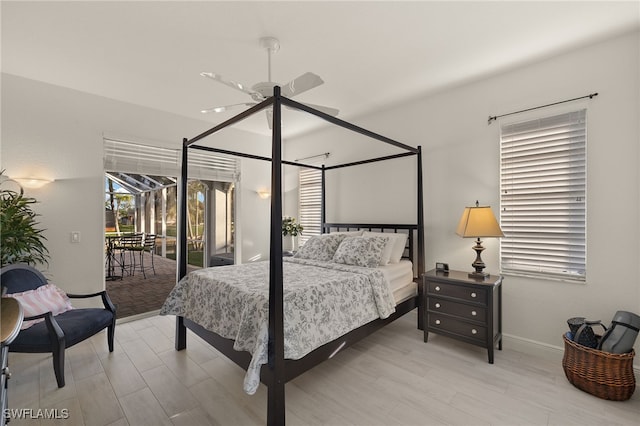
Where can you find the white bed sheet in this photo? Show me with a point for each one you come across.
(400, 278)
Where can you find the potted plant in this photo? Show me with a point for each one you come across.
(290, 230)
(21, 240)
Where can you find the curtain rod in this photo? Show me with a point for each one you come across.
(325, 155)
(495, 117)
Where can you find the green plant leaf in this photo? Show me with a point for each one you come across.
(21, 239)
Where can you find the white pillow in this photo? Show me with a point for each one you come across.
(395, 246)
(398, 247)
(320, 247)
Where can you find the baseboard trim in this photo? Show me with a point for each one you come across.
(137, 317)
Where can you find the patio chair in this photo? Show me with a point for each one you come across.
(148, 246)
(129, 245)
(56, 332)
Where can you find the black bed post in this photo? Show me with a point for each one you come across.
(182, 230)
(181, 331)
(323, 206)
(275, 403)
(421, 260)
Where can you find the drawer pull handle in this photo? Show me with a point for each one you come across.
(437, 305)
(474, 313)
(438, 322)
(473, 294)
(474, 331)
(437, 288)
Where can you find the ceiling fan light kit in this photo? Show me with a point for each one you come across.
(272, 44)
(263, 90)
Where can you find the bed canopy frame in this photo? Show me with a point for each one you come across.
(279, 369)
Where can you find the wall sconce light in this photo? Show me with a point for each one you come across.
(478, 222)
(264, 194)
(32, 183)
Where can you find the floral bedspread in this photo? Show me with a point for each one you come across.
(322, 301)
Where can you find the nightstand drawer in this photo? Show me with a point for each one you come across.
(445, 323)
(471, 294)
(476, 313)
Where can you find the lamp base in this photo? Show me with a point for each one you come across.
(479, 275)
(478, 264)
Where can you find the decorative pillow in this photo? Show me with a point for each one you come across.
(320, 247)
(41, 300)
(394, 248)
(361, 251)
(386, 253)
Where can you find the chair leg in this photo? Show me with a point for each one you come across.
(132, 267)
(111, 331)
(58, 344)
(144, 274)
(123, 261)
(153, 267)
(58, 364)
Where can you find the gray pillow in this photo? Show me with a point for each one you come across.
(320, 247)
(361, 251)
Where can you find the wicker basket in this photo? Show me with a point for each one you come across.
(603, 374)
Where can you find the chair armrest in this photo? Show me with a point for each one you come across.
(85, 296)
(52, 325)
(54, 329)
(106, 301)
(38, 316)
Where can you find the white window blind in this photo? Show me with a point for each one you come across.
(310, 203)
(543, 197)
(131, 157)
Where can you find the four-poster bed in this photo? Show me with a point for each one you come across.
(280, 368)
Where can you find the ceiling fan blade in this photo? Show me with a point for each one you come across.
(326, 110)
(230, 83)
(269, 112)
(225, 107)
(301, 84)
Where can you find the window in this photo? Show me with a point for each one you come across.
(543, 197)
(132, 157)
(149, 173)
(310, 203)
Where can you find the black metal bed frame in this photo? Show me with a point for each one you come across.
(281, 370)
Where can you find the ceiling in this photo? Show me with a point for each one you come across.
(369, 54)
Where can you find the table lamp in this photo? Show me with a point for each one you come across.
(478, 222)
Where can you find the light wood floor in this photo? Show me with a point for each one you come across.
(390, 378)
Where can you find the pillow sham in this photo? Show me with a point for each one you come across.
(361, 251)
(320, 247)
(395, 246)
(41, 300)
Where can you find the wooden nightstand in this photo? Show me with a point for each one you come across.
(463, 308)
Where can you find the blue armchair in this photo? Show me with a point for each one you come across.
(55, 334)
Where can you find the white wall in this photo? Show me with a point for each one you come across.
(57, 133)
(461, 165)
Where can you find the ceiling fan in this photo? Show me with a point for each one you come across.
(261, 91)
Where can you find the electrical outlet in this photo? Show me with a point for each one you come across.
(75, 236)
